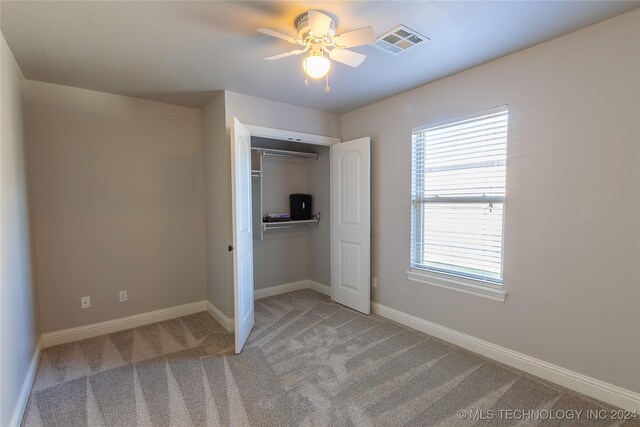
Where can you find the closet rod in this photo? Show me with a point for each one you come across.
(285, 153)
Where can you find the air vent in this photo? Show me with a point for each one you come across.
(399, 39)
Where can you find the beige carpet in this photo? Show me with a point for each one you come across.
(308, 362)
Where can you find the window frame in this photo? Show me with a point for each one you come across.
(493, 290)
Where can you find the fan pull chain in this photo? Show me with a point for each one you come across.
(306, 80)
(327, 89)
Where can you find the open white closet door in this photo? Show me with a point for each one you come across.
(242, 238)
(351, 224)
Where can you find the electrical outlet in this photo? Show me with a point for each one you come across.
(374, 282)
(85, 302)
(123, 296)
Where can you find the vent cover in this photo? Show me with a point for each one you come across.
(399, 39)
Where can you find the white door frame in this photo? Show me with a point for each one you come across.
(287, 135)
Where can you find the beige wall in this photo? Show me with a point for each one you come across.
(254, 111)
(217, 187)
(118, 204)
(320, 239)
(572, 236)
(277, 115)
(19, 323)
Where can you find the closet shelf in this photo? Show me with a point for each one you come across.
(268, 152)
(290, 224)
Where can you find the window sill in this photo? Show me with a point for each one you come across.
(457, 284)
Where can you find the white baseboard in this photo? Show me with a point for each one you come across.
(25, 391)
(115, 325)
(290, 287)
(216, 313)
(280, 289)
(593, 387)
(581, 383)
(319, 287)
(95, 329)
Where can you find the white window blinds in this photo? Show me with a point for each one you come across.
(457, 194)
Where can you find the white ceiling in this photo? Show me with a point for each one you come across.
(184, 52)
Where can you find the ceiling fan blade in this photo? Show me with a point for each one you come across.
(284, 55)
(272, 33)
(348, 57)
(319, 23)
(359, 37)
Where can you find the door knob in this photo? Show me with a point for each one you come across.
(230, 248)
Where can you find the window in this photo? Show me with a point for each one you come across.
(457, 196)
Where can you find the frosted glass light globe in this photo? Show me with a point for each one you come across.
(316, 66)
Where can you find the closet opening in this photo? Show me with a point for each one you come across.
(289, 248)
(300, 216)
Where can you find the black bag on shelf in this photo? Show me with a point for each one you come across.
(300, 206)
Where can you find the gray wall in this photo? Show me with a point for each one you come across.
(217, 187)
(118, 204)
(254, 111)
(19, 323)
(319, 239)
(572, 236)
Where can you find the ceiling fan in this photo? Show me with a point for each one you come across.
(316, 34)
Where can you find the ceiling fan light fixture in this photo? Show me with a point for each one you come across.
(316, 66)
(316, 33)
